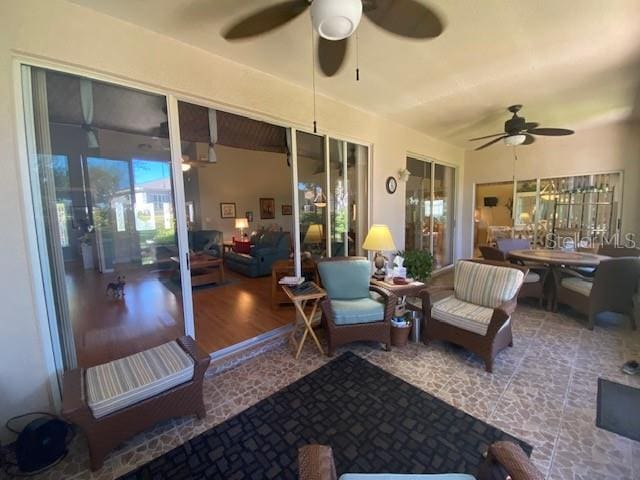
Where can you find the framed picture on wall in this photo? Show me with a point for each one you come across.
(249, 216)
(287, 210)
(227, 210)
(267, 208)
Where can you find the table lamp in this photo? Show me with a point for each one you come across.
(241, 224)
(379, 239)
(315, 234)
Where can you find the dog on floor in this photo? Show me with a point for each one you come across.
(116, 289)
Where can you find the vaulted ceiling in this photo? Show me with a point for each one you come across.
(571, 63)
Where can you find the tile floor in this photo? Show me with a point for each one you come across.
(543, 390)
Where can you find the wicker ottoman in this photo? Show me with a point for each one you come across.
(114, 401)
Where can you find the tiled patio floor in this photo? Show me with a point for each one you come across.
(543, 390)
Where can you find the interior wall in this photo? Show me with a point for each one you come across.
(242, 177)
(64, 33)
(600, 148)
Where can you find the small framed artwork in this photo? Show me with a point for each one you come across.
(249, 216)
(227, 210)
(267, 208)
(287, 210)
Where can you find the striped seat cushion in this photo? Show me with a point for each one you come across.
(486, 285)
(577, 285)
(120, 383)
(461, 314)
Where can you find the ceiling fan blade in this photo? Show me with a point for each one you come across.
(486, 136)
(552, 132)
(331, 54)
(530, 125)
(529, 139)
(266, 19)
(491, 142)
(407, 18)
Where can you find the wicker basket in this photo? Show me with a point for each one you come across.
(400, 335)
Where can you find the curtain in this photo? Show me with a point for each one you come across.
(213, 135)
(288, 142)
(48, 231)
(86, 101)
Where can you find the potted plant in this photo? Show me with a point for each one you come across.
(419, 264)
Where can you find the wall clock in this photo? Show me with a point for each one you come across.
(392, 184)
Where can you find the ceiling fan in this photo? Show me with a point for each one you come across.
(336, 20)
(517, 131)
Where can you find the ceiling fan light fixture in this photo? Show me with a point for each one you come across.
(513, 140)
(336, 19)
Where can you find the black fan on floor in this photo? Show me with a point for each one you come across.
(336, 20)
(517, 131)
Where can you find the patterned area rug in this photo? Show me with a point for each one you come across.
(374, 421)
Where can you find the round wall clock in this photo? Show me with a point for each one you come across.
(392, 184)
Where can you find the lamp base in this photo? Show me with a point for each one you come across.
(379, 262)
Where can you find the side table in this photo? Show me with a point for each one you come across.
(412, 289)
(300, 299)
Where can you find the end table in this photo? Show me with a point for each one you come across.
(300, 299)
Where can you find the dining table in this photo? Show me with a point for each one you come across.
(555, 260)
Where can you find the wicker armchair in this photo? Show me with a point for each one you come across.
(611, 289)
(503, 460)
(534, 282)
(478, 319)
(350, 313)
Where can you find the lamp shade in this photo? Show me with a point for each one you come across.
(379, 239)
(315, 233)
(242, 223)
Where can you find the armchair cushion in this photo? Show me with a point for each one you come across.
(361, 310)
(345, 279)
(532, 277)
(461, 314)
(486, 285)
(577, 285)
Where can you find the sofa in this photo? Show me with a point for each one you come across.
(206, 241)
(266, 248)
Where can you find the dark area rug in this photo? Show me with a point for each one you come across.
(374, 421)
(619, 409)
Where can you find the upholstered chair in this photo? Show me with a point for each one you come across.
(534, 282)
(354, 310)
(611, 289)
(477, 313)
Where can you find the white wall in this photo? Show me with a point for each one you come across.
(243, 177)
(598, 149)
(60, 32)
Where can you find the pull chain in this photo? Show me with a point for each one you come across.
(357, 57)
(313, 78)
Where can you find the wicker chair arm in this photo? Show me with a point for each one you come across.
(315, 462)
(200, 357)
(500, 316)
(73, 400)
(513, 459)
(390, 301)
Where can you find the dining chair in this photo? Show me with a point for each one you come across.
(611, 289)
(507, 244)
(354, 310)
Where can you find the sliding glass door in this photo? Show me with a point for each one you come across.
(430, 210)
(104, 209)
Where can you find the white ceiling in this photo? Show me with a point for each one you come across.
(571, 63)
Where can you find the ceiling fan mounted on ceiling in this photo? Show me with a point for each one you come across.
(336, 20)
(517, 131)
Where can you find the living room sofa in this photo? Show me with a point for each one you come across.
(266, 248)
(206, 241)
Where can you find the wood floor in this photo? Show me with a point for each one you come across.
(150, 313)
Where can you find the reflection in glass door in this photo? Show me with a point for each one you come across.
(429, 210)
(103, 199)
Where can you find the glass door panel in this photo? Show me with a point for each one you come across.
(312, 196)
(442, 213)
(338, 204)
(103, 200)
(524, 210)
(418, 206)
(358, 197)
